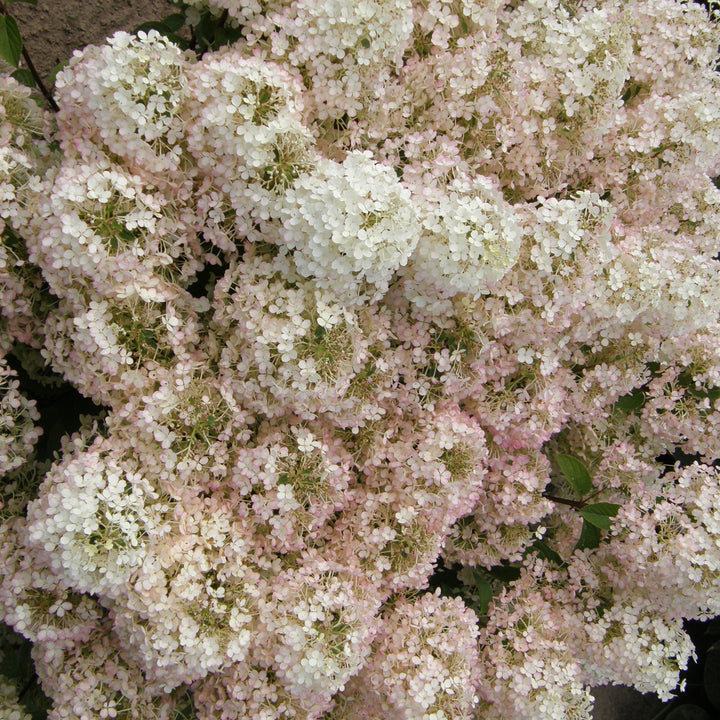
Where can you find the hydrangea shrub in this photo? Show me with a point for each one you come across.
(379, 289)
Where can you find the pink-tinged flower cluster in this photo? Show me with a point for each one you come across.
(385, 287)
(24, 157)
(139, 91)
(423, 666)
(18, 418)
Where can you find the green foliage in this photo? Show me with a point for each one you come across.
(24, 77)
(590, 537)
(506, 573)
(600, 514)
(174, 22)
(575, 473)
(632, 401)
(212, 33)
(10, 41)
(55, 71)
(596, 516)
(685, 380)
(636, 399)
(547, 553)
(185, 708)
(484, 591)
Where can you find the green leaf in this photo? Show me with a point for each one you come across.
(205, 29)
(505, 573)
(589, 537)
(10, 41)
(485, 592)
(546, 552)
(225, 36)
(28, 2)
(633, 401)
(575, 473)
(151, 25)
(599, 514)
(24, 77)
(174, 22)
(55, 71)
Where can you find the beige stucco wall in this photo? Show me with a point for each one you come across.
(54, 28)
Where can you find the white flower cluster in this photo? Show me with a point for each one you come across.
(139, 89)
(23, 146)
(344, 45)
(95, 520)
(322, 626)
(106, 229)
(349, 224)
(470, 239)
(633, 644)
(24, 155)
(245, 120)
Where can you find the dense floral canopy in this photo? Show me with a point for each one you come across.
(382, 285)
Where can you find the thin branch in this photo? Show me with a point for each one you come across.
(33, 71)
(578, 504)
(41, 85)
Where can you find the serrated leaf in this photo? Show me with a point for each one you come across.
(10, 40)
(711, 675)
(590, 537)
(575, 473)
(24, 77)
(600, 514)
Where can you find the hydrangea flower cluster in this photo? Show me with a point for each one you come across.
(382, 288)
